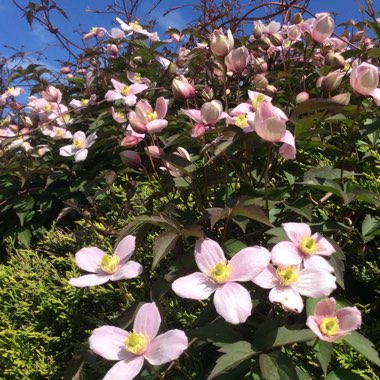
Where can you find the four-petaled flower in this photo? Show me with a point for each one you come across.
(302, 247)
(105, 267)
(132, 348)
(79, 147)
(232, 301)
(125, 92)
(330, 324)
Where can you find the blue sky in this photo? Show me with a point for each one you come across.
(15, 32)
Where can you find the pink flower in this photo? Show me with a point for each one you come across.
(364, 79)
(52, 94)
(232, 301)
(132, 348)
(287, 284)
(182, 89)
(302, 247)
(237, 60)
(104, 267)
(330, 324)
(221, 44)
(124, 92)
(135, 27)
(173, 170)
(320, 28)
(79, 147)
(94, 32)
(146, 120)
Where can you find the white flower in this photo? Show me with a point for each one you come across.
(79, 147)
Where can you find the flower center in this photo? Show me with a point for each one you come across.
(10, 90)
(287, 276)
(47, 108)
(150, 116)
(125, 91)
(257, 101)
(109, 263)
(135, 25)
(137, 77)
(84, 102)
(241, 121)
(59, 132)
(78, 143)
(136, 343)
(308, 245)
(329, 326)
(220, 272)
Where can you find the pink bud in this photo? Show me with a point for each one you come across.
(182, 89)
(332, 81)
(130, 141)
(342, 98)
(276, 39)
(112, 49)
(323, 27)
(260, 82)
(65, 70)
(220, 44)
(364, 78)
(198, 130)
(257, 32)
(297, 18)
(357, 36)
(154, 151)
(237, 60)
(302, 97)
(130, 159)
(52, 94)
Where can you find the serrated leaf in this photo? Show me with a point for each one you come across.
(277, 366)
(235, 354)
(252, 212)
(217, 214)
(362, 345)
(162, 245)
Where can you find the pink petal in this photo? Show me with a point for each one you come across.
(325, 307)
(108, 342)
(289, 298)
(296, 231)
(118, 86)
(129, 270)
(112, 95)
(317, 262)
(193, 114)
(89, 258)
(195, 286)
(136, 88)
(89, 280)
(166, 347)
(248, 263)
(156, 126)
(267, 279)
(233, 302)
(208, 253)
(285, 254)
(129, 100)
(125, 248)
(147, 320)
(324, 247)
(314, 283)
(161, 107)
(81, 155)
(349, 319)
(288, 149)
(376, 95)
(241, 108)
(313, 324)
(125, 369)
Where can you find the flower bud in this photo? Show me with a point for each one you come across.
(331, 81)
(112, 50)
(302, 97)
(265, 43)
(260, 82)
(52, 94)
(271, 90)
(130, 141)
(130, 159)
(257, 32)
(323, 27)
(342, 98)
(182, 89)
(198, 130)
(364, 78)
(357, 36)
(220, 44)
(276, 39)
(65, 70)
(207, 93)
(351, 22)
(237, 60)
(153, 151)
(297, 18)
(346, 34)
(293, 32)
(335, 60)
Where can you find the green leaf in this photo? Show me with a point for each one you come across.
(362, 345)
(233, 246)
(370, 224)
(277, 366)
(179, 162)
(343, 374)
(252, 212)
(235, 354)
(324, 352)
(162, 245)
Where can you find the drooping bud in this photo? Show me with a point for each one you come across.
(237, 60)
(182, 89)
(302, 97)
(65, 70)
(357, 36)
(52, 94)
(265, 43)
(221, 44)
(364, 78)
(130, 141)
(271, 90)
(332, 81)
(323, 27)
(154, 151)
(297, 18)
(276, 39)
(208, 93)
(130, 159)
(112, 50)
(257, 32)
(342, 98)
(260, 82)
(197, 130)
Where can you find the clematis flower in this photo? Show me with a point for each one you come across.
(135, 27)
(146, 120)
(237, 60)
(182, 89)
(221, 44)
(52, 94)
(137, 78)
(303, 247)
(57, 133)
(330, 324)
(232, 301)
(320, 28)
(94, 32)
(132, 348)
(364, 79)
(287, 284)
(173, 170)
(79, 147)
(104, 267)
(125, 92)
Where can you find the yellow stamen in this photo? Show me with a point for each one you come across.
(78, 143)
(220, 273)
(125, 91)
(241, 121)
(137, 77)
(109, 263)
(59, 132)
(150, 116)
(287, 276)
(329, 326)
(84, 102)
(47, 108)
(9, 90)
(136, 343)
(135, 25)
(308, 245)
(258, 100)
